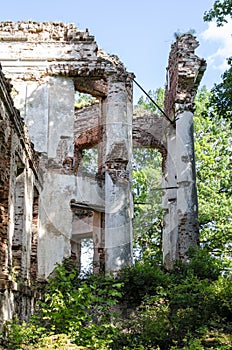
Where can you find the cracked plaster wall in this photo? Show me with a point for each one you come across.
(47, 63)
(185, 70)
(19, 180)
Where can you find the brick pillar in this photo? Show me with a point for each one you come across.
(184, 73)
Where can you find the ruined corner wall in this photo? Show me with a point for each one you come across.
(47, 63)
(19, 190)
(184, 73)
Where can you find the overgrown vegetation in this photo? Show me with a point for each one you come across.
(144, 307)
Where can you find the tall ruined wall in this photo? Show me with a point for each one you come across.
(184, 72)
(48, 205)
(176, 143)
(19, 190)
(47, 63)
(5, 172)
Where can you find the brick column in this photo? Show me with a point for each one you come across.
(184, 73)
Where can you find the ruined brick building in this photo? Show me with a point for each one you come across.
(48, 204)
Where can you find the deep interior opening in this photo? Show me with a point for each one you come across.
(89, 162)
(86, 127)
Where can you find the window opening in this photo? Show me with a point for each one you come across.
(87, 251)
(89, 161)
(83, 100)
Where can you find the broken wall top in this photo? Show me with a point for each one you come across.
(184, 73)
(32, 50)
(43, 31)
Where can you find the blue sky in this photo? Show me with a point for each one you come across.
(139, 32)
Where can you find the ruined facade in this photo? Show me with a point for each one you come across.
(20, 185)
(184, 73)
(49, 201)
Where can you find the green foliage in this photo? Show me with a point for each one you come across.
(221, 11)
(17, 334)
(201, 264)
(89, 162)
(213, 167)
(142, 279)
(145, 104)
(83, 100)
(147, 223)
(59, 341)
(80, 309)
(178, 309)
(221, 98)
(214, 151)
(183, 309)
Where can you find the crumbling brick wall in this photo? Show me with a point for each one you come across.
(5, 171)
(174, 139)
(18, 173)
(184, 73)
(47, 63)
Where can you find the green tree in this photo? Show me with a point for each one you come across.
(145, 104)
(221, 99)
(213, 165)
(220, 12)
(186, 308)
(147, 223)
(83, 100)
(216, 222)
(147, 192)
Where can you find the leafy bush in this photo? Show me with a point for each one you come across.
(187, 308)
(59, 341)
(201, 264)
(178, 309)
(141, 280)
(80, 309)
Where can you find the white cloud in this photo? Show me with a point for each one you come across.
(221, 37)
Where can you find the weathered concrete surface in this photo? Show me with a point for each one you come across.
(184, 72)
(20, 184)
(47, 63)
(47, 203)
